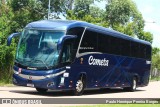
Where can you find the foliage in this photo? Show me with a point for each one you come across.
(58, 7)
(123, 15)
(14, 15)
(6, 53)
(156, 58)
(155, 74)
(147, 36)
(155, 61)
(120, 15)
(121, 12)
(84, 10)
(25, 11)
(155, 51)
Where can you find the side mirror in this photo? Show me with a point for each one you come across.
(9, 39)
(63, 39)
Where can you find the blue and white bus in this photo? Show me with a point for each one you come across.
(76, 55)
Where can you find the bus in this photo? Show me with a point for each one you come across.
(76, 55)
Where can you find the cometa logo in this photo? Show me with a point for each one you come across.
(99, 62)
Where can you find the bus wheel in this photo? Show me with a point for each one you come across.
(80, 84)
(41, 90)
(133, 85)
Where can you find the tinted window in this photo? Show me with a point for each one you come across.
(99, 42)
(89, 42)
(115, 46)
(104, 43)
(135, 49)
(142, 51)
(125, 47)
(78, 31)
(148, 52)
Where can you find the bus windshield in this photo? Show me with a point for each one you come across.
(38, 48)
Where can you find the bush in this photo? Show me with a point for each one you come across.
(6, 62)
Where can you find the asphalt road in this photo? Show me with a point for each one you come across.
(150, 91)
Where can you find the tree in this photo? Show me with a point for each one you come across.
(121, 11)
(6, 53)
(58, 7)
(82, 7)
(155, 51)
(155, 65)
(147, 36)
(6, 16)
(25, 11)
(84, 10)
(123, 15)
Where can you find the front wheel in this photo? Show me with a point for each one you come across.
(41, 90)
(133, 85)
(80, 84)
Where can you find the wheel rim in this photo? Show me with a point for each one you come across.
(134, 84)
(79, 86)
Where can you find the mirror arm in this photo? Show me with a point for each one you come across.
(10, 38)
(64, 38)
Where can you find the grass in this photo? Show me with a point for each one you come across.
(155, 79)
(121, 105)
(5, 84)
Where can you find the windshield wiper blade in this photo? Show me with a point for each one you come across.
(19, 64)
(39, 61)
(42, 62)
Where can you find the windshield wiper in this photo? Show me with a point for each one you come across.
(42, 62)
(39, 61)
(17, 62)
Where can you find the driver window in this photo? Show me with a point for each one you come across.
(67, 52)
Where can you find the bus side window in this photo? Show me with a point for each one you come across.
(142, 51)
(135, 49)
(89, 42)
(148, 52)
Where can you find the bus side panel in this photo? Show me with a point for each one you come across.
(118, 73)
(142, 69)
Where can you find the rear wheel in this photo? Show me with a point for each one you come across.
(41, 90)
(80, 84)
(133, 85)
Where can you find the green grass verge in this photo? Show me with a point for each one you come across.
(155, 79)
(121, 105)
(4, 84)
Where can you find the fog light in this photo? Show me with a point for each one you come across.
(70, 86)
(51, 84)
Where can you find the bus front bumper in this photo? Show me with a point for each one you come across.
(32, 81)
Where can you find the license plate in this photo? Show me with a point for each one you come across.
(30, 85)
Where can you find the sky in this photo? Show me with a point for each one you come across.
(150, 10)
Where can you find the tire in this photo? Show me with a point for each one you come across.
(41, 90)
(80, 84)
(133, 85)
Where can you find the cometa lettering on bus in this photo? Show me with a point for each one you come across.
(99, 62)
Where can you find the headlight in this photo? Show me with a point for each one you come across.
(56, 74)
(15, 72)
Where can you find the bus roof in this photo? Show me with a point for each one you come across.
(67, 24)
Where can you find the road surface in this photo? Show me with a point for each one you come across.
(150, 91)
